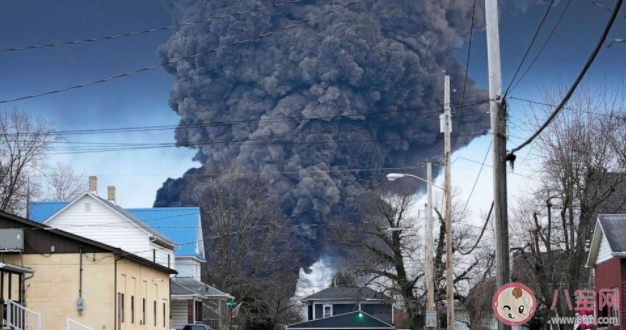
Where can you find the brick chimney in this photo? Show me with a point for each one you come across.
(111, 194)
(93, 184)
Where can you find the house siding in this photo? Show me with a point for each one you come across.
(188, 268)
(382, 312)
(344, 308)
(604, 253)
(103, 225)
(179, 313)
(319, 311)
(609, 274)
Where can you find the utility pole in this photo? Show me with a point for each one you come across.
(498, 132)
(447, 153)
(429, 237)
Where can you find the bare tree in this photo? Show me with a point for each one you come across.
(25, 140)
(393, 260)
(249, 253)
(63, 183)
(581, 162)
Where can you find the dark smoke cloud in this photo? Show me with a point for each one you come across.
(381, 55)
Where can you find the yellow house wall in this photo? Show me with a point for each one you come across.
(54, 289)
(138, 281)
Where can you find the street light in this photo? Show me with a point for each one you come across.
(429, 235)
(395, 176)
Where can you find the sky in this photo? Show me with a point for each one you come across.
(141, 99)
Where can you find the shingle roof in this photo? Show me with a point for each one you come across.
(187, 286)
(350, 320)
(347, 293)
(614, 227)
(178, 224)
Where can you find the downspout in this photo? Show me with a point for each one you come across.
(26, 278)
(115, 292)
(80, 275)
(79, 302)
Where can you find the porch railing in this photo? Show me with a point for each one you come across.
(22, 318)
(73, 325)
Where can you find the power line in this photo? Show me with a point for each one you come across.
(159, 29)
(185, 58)
(236, 122)
(467, 65)
(542, 47)
(593, 56)
(116, 145)
(532, 42)
(605, 8)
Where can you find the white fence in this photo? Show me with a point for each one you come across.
(73, 325)
(22, 318)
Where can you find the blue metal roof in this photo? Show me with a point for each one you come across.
(179, 224)
(40, 211)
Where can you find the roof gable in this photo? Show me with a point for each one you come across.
(181, 225)
(352, 320)
(115, 209)
(608, 239)
(45, 232)
(344, 293)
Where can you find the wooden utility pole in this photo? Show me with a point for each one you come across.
(447, 153)
(498, 132)
(429, 237)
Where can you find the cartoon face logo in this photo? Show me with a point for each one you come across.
(514, 304)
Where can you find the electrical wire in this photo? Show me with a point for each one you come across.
(159, 29)
(569, 94)
(283, 143)
(569, 2)
(185, 58)
(133, 129)
(605, 8)
(467, 65)
(532, 42)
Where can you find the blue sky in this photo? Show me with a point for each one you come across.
(142, 99)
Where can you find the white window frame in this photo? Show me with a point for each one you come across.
(330, 306)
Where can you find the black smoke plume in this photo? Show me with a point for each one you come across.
(384, 57)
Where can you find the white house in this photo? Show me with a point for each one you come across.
(99, 219)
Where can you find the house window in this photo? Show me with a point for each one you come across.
(616, 315)
(155, 323)
(328, 310)
(87, 207)
(132, 309)
(122, 312)
(164, 315)
(143, 312)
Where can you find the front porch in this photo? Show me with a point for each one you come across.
(12, 289)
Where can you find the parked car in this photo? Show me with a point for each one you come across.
(196, 327)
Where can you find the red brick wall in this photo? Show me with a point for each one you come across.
(608, 276)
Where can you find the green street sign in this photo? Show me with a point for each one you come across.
(231, 303)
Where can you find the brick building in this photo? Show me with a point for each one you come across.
(607, 258)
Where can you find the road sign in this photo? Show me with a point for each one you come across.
(431, 319)
(231, 303)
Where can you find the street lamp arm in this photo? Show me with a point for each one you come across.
(394, 176)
